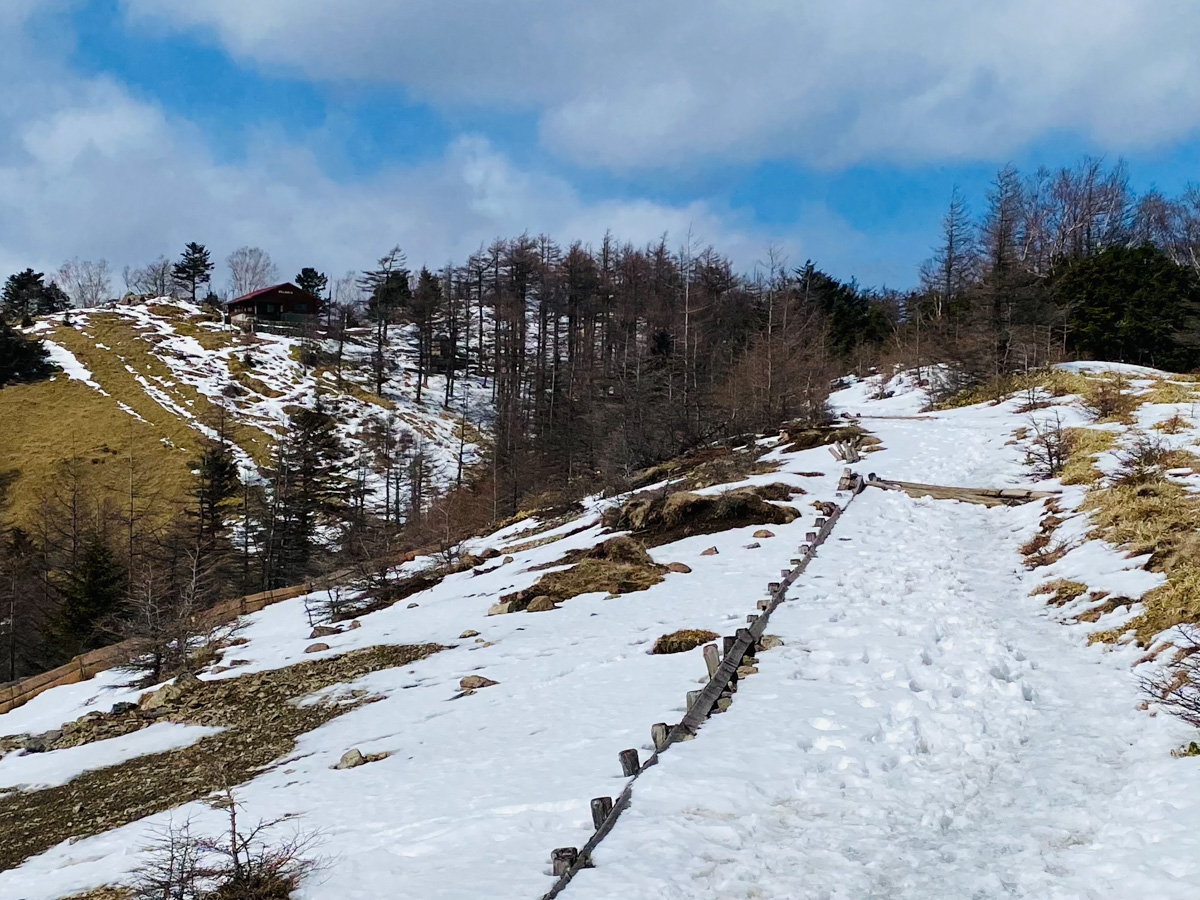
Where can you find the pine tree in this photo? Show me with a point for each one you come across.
(424, 306)
(25, 295)
(21, 359)
(216, 480)
(193, 269)
(92, 595)
(312, 281)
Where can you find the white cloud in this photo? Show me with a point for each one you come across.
(88, 170)
(633, 84)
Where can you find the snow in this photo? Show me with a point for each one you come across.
(35, 771)
(928, 729)
(74, 369)
(1094, 367)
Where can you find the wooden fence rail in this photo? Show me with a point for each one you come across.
(567, 861)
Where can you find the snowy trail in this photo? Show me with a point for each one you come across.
(926, 731)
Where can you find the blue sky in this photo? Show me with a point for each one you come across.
(326, 132)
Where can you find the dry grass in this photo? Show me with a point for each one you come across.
(261, 723)
(661, 520)
(1086, 444)
(1061, 591)
(1173, 425)
(1038, 551)
(683, 640)
(1170, 391)
(1109, 400)
(1055, 382)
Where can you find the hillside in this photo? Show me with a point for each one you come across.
(139, 384)
(949, 701)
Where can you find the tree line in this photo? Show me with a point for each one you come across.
(597, 361)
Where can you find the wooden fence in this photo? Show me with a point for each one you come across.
(722, 683)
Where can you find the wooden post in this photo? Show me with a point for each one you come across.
(601, 807)
(712, 659)
(692, 697)
(798, 561)
(727, 643)
(751, 619)
(562, 859)
(820, 521)
(811, 537)
(629, 762)
(763, 604)
(658, 734)
(773, 587)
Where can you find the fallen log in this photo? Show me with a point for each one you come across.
(981, 496)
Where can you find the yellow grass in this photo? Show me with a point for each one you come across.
(1061, 590)
(1086, 444)
(1170, 391)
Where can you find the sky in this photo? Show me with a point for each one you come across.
(327, 131)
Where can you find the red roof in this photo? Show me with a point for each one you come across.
(267, 290)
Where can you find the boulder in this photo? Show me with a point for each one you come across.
(354, 624)
(469, 633)
(770, 641)
(475, 682)
(35, 745)
(119, 709)
(682, 568)
(316, 648)
(507, 560)
(351, 759)
(412, 606)
(169, 693)
(753, 546)
(321, 631)
(764, 533)
(501, 608)
(489, 553)
(541, 604)
(711, 551)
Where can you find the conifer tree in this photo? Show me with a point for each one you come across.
(21, 359)
(312, 281)
(92, 595)
(25, 295)
(193, 269)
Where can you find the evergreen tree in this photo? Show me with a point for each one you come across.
(21, 359)
(1132, 304)
(216, 480)
(26, 295)
(193, 269)
(424, 306)
(312, 281)
(309, 489)
(92, 595)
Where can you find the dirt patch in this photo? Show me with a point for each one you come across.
(261, 724)
(661, 520)
(807, 438)
(683, 640)
(620, 565)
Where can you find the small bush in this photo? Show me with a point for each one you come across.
(1173, 425)
(683, 640)
(1177, 686)
(1086, 444)
(1109, 400)
(1049, 449)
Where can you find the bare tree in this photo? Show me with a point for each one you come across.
(87, 281)
(947, 275)
(154, 279)
(250, 269)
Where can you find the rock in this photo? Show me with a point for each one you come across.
(354, 624)
(475, 682)
(469, 633)
(238, 662)
(507, 559)
(770, 641)
(682, 568)
(489, 553)
(764, 533)
(723, 703)
(412, 606)
(753, 546)
(35, 745)
(316, 648)
(541, 604)
(169, 693)
(746, 671)
(501, 608)
(350, 759)
(711, 551)
(119, 709)
(321, 631)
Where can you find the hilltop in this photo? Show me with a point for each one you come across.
(140, 383)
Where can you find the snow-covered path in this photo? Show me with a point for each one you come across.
(926, 731)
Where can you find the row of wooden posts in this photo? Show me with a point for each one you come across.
(717, 693)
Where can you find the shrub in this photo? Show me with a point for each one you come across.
(683, 640)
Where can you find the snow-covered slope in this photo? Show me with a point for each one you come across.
(157, 371)
(927, 728)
